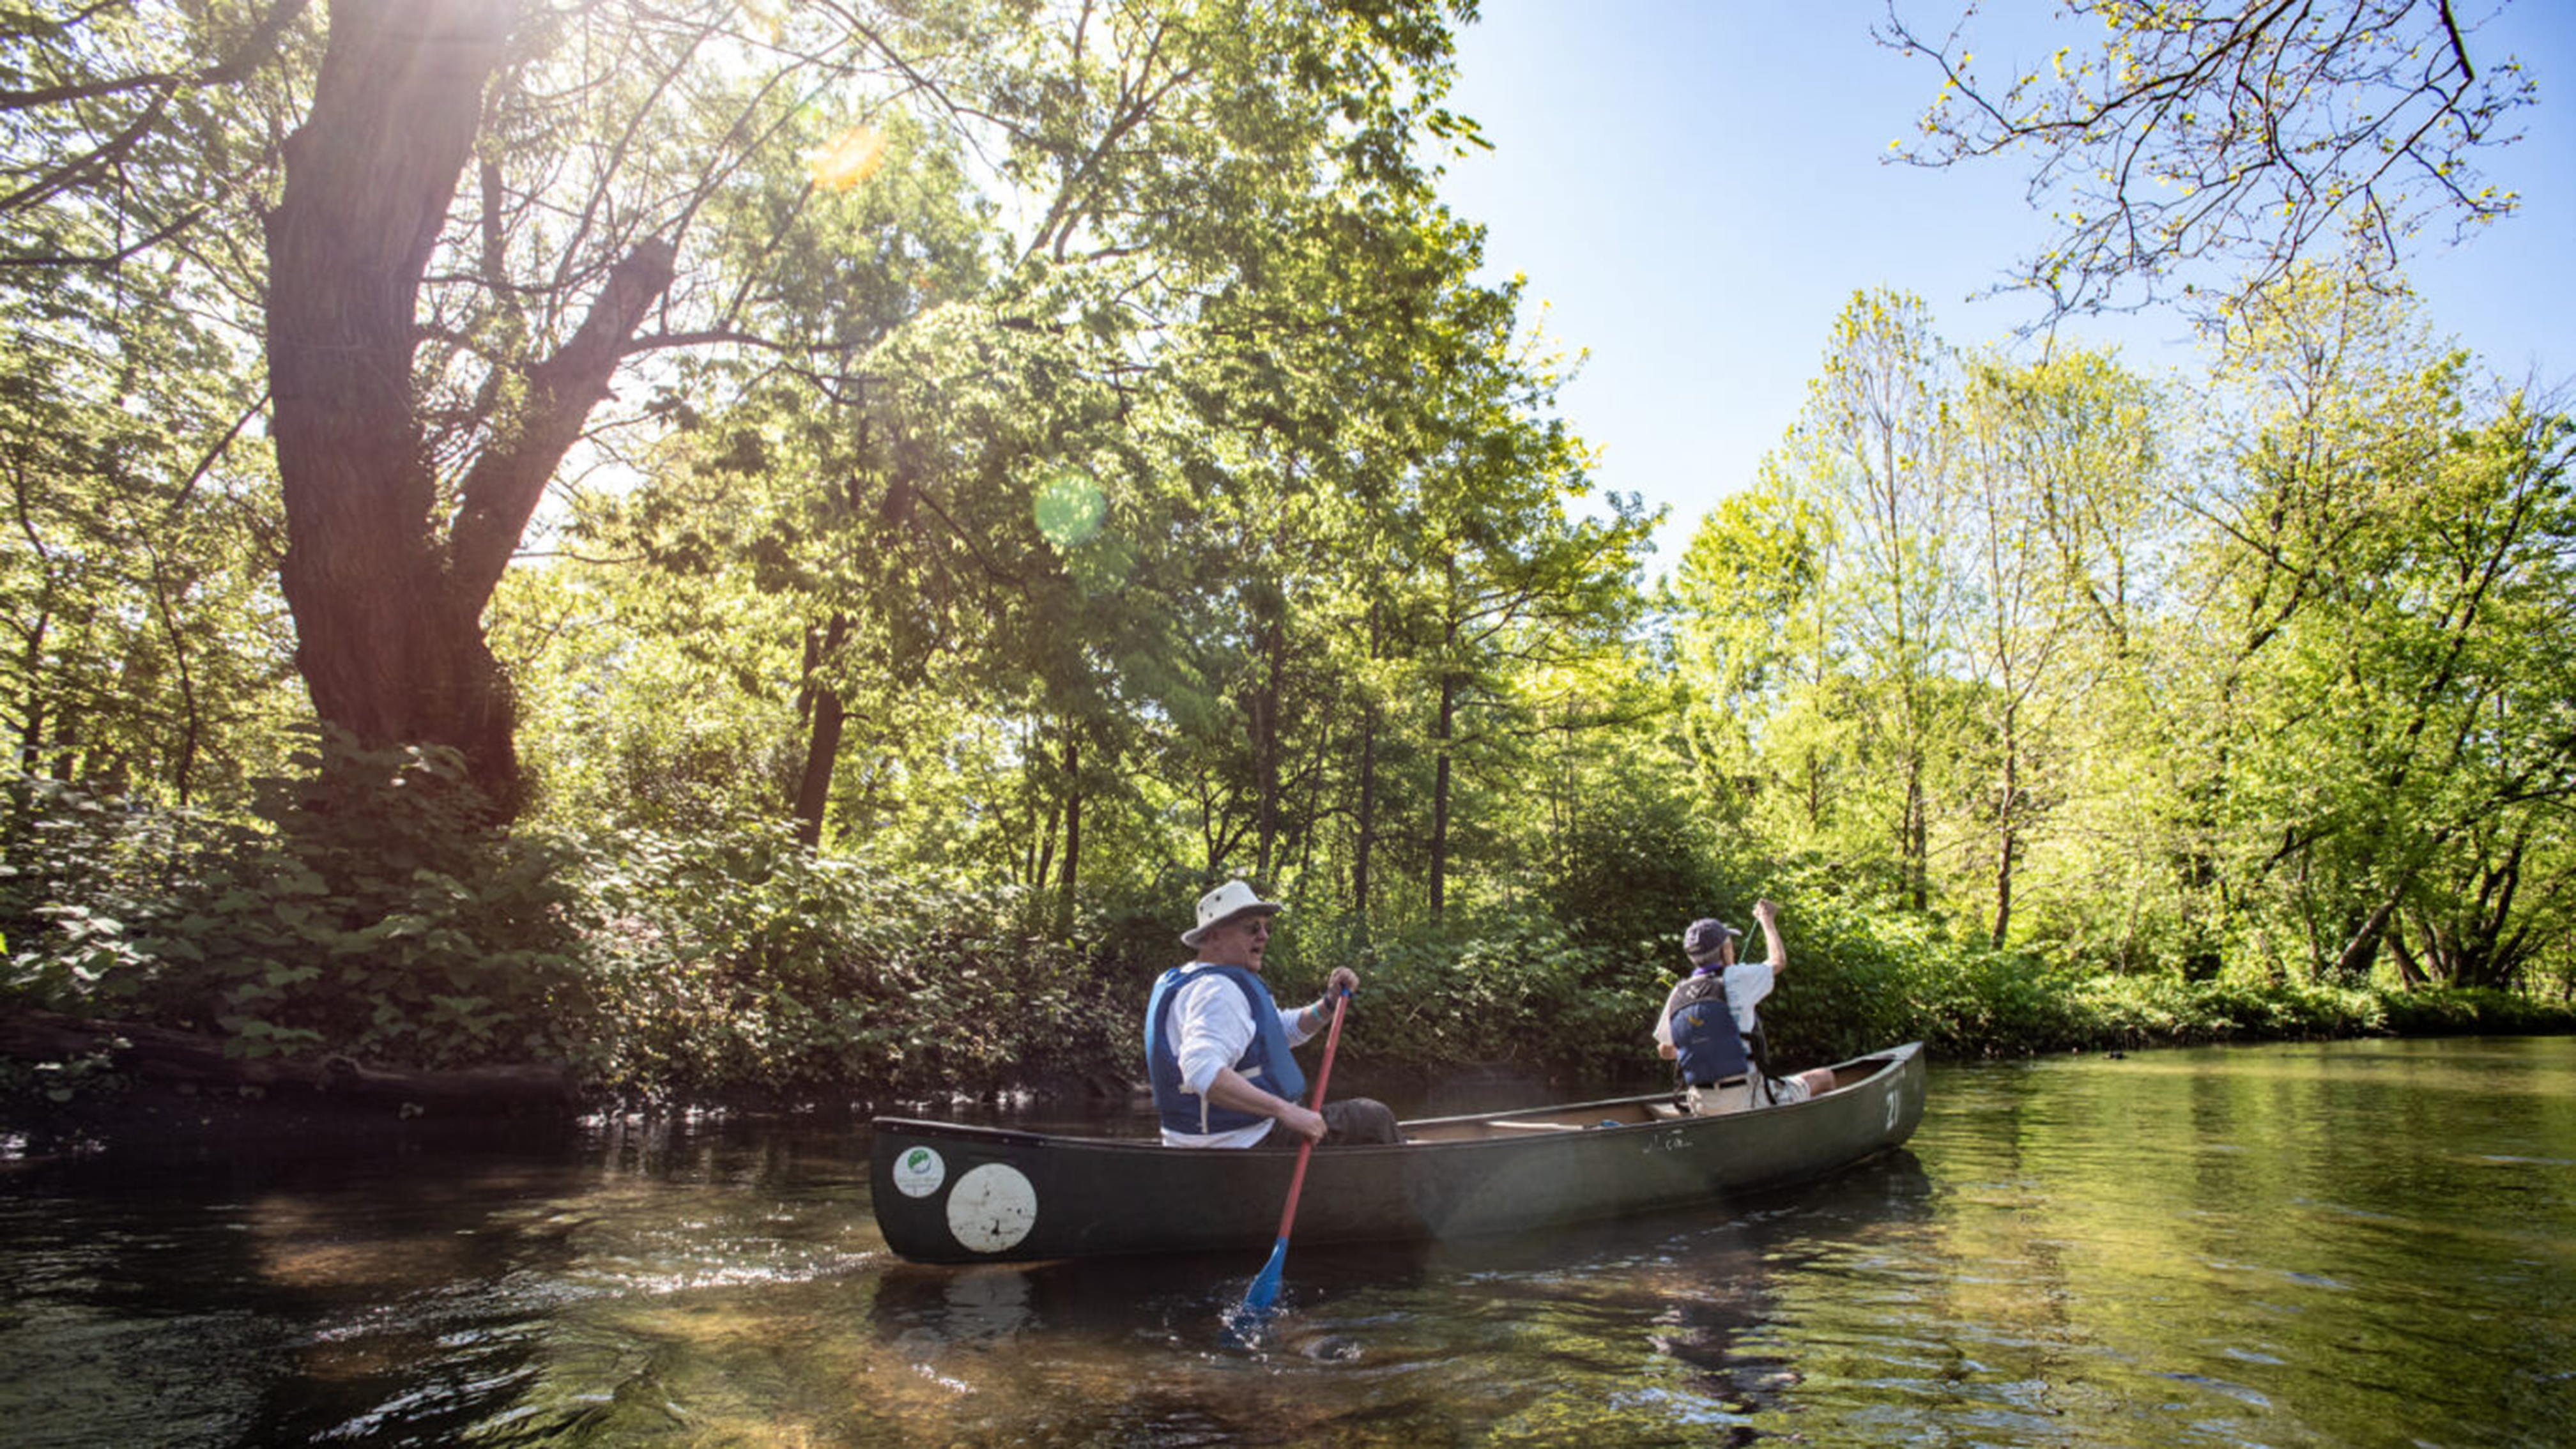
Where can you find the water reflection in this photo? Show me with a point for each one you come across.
(2345, 1244)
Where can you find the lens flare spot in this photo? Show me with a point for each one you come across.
(1069, 509)
(850, 158)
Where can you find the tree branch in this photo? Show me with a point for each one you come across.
(501, 492)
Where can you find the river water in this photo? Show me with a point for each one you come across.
(2359, 1243)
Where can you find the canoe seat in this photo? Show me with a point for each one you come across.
(1534, 1126)
(1664, 1111)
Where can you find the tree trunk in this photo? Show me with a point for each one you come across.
(2410, 973)
(387, 604)
(823, 738)
(65, 743)
(2352, 963)
(31, 732)
(1912, 839)
(2003, 888)
(2490, 955)
(1265, 750)
(1440, 797)
(1046, 846)
(1041, 788)
(2011, 841)
(1072, 874)
(1367, 831)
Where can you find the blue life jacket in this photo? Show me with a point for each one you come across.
(1708, 1046)
(1266, 1063)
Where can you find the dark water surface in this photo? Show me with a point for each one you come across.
(2360, 1243)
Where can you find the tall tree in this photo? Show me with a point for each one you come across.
(2388, 569)
(489, 209)
(1750, 597)
(1879, 437)
(2060, 460)
(388, 598)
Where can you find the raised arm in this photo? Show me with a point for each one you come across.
(1767, 912)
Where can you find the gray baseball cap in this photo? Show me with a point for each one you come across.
(1703, 938)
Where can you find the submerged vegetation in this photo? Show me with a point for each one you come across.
(1062, 457)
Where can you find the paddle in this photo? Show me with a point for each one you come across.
(1265, 1287)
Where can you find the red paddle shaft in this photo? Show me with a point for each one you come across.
(1306, 1148)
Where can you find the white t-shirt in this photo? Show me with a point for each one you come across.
(1747, 982)
(1211, 1028)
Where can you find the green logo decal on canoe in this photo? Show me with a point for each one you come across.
(919, 1172)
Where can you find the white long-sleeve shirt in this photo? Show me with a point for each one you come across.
(1211, 1028)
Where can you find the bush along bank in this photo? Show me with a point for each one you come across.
(643, 970)
(381, 924)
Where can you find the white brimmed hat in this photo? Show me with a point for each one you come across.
(1223, 904)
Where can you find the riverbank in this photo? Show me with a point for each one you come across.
(137, 1082)
(390, 951)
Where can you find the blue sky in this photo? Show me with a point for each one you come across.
(1697, 187)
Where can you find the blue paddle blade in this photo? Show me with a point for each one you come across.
(1264, 1293)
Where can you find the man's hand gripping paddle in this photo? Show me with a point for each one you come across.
(1264, 1294)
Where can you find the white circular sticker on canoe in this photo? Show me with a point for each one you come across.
(992, 1207)
(919, 1172)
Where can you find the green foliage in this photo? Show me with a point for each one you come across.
(380, 917)
(2000, 647)
(758, 967)
(371, 911)
(741, 966)
(1511, 992)
(148, 651)
(1862, 977)
(1631, 866)
(2475, 1011)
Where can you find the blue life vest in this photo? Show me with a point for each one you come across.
(1708, 1046)
(1266, 1063)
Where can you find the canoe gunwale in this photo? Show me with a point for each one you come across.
(1892, 1060)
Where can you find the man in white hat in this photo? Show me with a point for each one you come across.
(1217, 1048)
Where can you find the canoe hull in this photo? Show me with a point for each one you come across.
(945, 1193)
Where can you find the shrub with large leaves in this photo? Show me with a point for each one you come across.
(366, 908)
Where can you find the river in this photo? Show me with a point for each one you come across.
(2355, 1243)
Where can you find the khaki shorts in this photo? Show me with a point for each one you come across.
(1744, 1096)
